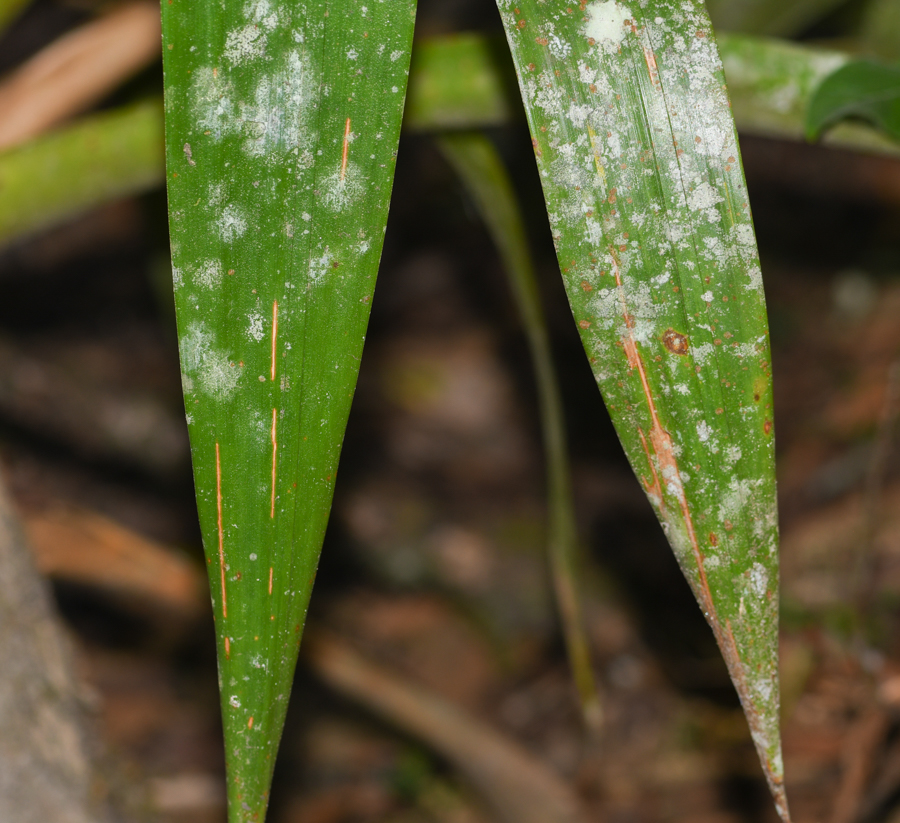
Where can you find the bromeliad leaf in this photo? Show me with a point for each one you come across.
(282, 122)
(639, 161)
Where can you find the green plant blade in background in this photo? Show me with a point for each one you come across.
(863, 89)
(648, 207)
(282, 123)
(482, 172)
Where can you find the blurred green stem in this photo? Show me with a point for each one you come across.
(9, 10)
(478, 165)
(103, 157)
(461, 81)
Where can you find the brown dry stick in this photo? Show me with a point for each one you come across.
(77, 70)
(517, 785)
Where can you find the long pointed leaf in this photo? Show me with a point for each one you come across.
(639, 161)
(282, 122)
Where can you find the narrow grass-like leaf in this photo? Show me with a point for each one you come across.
(862, 89)
(480, 168)
(639, 161)
(282, 122)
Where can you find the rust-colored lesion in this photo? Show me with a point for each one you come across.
(675, 342)
(652, 68)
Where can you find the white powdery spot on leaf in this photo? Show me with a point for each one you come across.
(396, 55)
(278, 116)
(212, 102)
(255, 330)
(704, 431)
(759, 579)
(704, 199)
(208, 274)
(247, 43)
(606, 24)
(343, 188)
(231, 224)
(202, 364)
(261, 13)
(177, 277)
(319, 267)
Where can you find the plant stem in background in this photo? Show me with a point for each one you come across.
(481, 170)
(103, 157)
(9, 10)
(761, 74)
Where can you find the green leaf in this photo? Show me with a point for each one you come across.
(480, 168)
(282, 123)
(460, 81)
(638, 158)
(862, 89)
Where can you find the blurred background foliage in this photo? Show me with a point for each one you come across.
(433, 599)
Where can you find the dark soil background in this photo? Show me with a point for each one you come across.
(434, 564)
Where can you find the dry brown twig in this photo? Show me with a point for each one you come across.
(518, 786)
(77, 70)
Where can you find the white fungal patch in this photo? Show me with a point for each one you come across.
(231, 224)
(319, 267)
(278, 116)
(211, 93)
(396, 55)
(177, 277)
(759, 579)
(243, 44)
(206, 367)
(704, 431)
(343, 187)
(249, 42)
(606, 24)
(255, 330)
(234, 701)
(704, 199)
(208, 274)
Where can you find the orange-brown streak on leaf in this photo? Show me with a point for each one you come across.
(221, 531)
(274, 333)
(661, 441)
(346, 148)
(274, 455)
(271, 572)
(650, 57)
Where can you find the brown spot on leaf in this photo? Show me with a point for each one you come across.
(584, 324)
(585, 286)
(767, 427)
(675, 342)
(713, 540)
